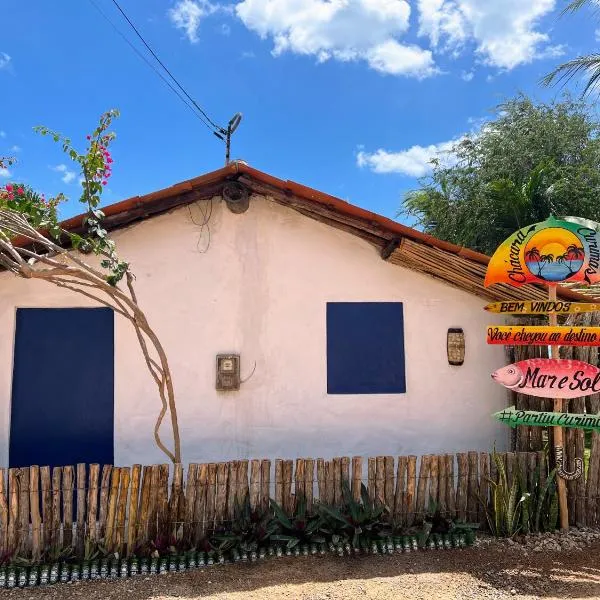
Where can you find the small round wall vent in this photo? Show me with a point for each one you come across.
(236, 197)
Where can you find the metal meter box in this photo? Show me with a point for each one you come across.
(228, 372)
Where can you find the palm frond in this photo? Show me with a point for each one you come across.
(581, 65)
(575, 5)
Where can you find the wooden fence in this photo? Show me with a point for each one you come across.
(44, 510)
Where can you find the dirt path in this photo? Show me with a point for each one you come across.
(485, 573)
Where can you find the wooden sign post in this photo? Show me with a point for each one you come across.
(553, 352)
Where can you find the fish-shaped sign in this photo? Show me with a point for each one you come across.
(549, 252)
(513, 417)
(550, 378)
(541, 307)
(542, 335)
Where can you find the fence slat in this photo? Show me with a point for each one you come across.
(279, 482)
(286, 497)
(190, 498)
(141, 533)
(329, 481)
(176, 499)
(200, 505)
(67, 506)
(411, 495)
(163, 500)
(389, 482)
(13, 503)
(112, 508)
(81, 494)
(442, 485)
(24, 510)
(55, 526)
(221, 495)
(265, 484)
(357, 467)
(450, 485)
(434, 470)
(400, 493)
(233, 468)
(92, 501)
(422, 488)
(299, 480)
(321, 481)
(243, 488)
(254, 484)
(120, 535)
(132, 513)
(46, 497)
(337, 481)
(104, 493)
(484, 486)
(3, 512)
(380, 480)
(34, 503)
(309, 476)
(462, 486)
(344, 473)
(473, 486)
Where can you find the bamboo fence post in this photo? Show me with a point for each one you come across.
(442, 484)
(200, 505)
(112, 509)
(400, 494)
(141, 533)
(243, 489)
(462, 486)
(254, 484)
(434, 479)
(67, 498)
(411, 497)
(210, 495)
(56, 483)
(389, 483)
(357, 466)
(309, 477)
(92, 501)
(46, 496)
(337, 481)
(484, 486)
(190, 496)
(104, 494)
(558, 431)
(163, 500)
(13, 502)
(371, 477)
(299, 480)
(450, 489)
(221, 496)
(422, 488)
(344, 474)
(265, 484)
(23, 476)
(287, 499)
(380, 480)
(473, 486)
(3, 512)
(233, 467)
(36, 522)
(279, 482)
(132, 516)
(329, 481)
(176, 499)
(321, 481)
(81, 493)
(120, 536)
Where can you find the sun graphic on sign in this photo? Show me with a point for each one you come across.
(554, 254)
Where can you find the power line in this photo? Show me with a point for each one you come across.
(209, 124)
(218, 127)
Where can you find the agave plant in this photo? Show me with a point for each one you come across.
(301, 528)
(360, 522)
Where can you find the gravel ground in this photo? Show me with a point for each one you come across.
(493, 570)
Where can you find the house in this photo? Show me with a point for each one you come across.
(337, 317)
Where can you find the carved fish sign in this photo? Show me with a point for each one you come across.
(550, 378)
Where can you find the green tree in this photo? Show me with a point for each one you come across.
(527, 162)
(587, 65)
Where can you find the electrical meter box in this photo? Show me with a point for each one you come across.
(228, 372)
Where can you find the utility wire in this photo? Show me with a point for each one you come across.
(164, 79)
(217, 127)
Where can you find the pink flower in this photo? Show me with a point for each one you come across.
(104, 182)
(9, 188)
(89, 137)
(10, 195)
(20, 191)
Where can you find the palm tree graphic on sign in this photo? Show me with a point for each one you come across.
(574, 253)
(533, 255)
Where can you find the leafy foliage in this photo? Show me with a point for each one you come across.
(530, 161)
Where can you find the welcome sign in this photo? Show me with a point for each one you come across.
(541, 335)
(541, 307)
(549, 252)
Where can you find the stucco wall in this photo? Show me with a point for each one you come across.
(261, 290)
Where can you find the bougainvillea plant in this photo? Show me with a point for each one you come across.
(34, 245)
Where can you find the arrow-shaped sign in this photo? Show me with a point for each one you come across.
(541, 307)
(513, 417)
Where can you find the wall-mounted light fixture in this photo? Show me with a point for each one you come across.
(456, 346)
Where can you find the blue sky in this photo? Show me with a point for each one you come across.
(348, 96)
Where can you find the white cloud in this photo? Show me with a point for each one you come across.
(4, 172)
(467, 75)
(344, 30)
(15, 148)
(504, 31)
(597, 35)
(187, 14)
(248, 54)
(2, 134)
(414, 162)
(225, 29)
(68, 176)
(4, 60)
